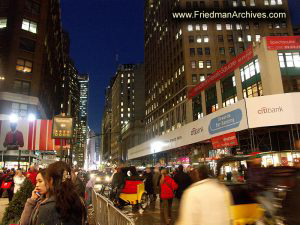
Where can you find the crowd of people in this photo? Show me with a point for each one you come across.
(195, 190)
(57, 198)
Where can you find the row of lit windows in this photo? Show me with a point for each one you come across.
(29, 26)
(201, 64)
(24, 66)
(3, 23)
(196, 78)
(289, 59)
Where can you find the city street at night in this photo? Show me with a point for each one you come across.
(107, 105)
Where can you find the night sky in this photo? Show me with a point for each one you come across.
(100, 30)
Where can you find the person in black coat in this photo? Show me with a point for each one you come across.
(10, 191)
(183, 180)
(148, 176)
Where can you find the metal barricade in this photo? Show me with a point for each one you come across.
(106, 213)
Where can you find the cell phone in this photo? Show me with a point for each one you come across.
(38, 194)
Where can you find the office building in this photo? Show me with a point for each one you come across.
(182, 54)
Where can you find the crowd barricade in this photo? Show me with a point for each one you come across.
(106, 213)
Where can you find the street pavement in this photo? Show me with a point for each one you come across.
(3, 205)
(152, 215)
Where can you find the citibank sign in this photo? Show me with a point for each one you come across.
(266, 110)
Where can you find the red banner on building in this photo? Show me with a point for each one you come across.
(235, 63)
(226, 140)
(283, 42)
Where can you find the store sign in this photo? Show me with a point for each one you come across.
(62, 127)
(228, 68)
(273, 110)
(226, 140)
(25, 135)
(225, 122)
(283, 43)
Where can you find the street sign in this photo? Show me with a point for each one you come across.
(62, 127)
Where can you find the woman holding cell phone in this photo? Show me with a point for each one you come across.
(39, 195)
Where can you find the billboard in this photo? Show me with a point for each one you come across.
(25, 135)
(62, 127)
(283, 42)
(273, 110)
(225, 140)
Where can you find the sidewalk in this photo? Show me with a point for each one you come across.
(3, 205)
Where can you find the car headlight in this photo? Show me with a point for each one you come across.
(98, 179)
(107, 178)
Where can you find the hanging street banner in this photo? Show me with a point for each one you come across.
(62, 127)
(227, 69)
(283, 42)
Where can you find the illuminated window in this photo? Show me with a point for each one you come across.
(122, 115)
(128, 114)
(234, 3)
(238, 26)
(202, 77)
(197, 27)
(3, 23)
(228, 26)
(201, 64)
(204, 26)
(121, 103)
(208, 64)
(205, 39)
(240, 39)
(249, 38)
(257, 37)
(198, 39)
(219, 26)
(252, 2)
(193, 64)
(190, 27)
(194, 78)
(29, 26)
(24, 66)
(122, 109)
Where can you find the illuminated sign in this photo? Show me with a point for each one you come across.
(62, 127)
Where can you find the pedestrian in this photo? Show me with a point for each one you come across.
(134, 174)
(38, 198)
(78, 183)
(118, 183)
(31, 174)
(156, 186)
(9, 184)
(63, 205)
(205, 202)
(167, 188)
(183, 180)
(18, 180)
(89, 190)
(148, 176)
(1, 179)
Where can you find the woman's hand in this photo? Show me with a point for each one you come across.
(34, 195)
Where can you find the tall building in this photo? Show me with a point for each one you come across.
(71, 96)
(265, 81)
(31, 58)
(106, 124)
(179, 55)
(127, 96)
(81, 153)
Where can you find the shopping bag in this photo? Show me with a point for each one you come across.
(6, 185)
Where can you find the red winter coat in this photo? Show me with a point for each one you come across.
(167, 188)
(32, 176)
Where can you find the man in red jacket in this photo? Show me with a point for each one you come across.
(14, 138)
(31, 175)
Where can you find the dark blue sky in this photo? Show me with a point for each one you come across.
(100, 29)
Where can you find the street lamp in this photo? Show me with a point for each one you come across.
(31, 117)
(157, 147)
(13, 118)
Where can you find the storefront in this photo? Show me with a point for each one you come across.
(238, 129)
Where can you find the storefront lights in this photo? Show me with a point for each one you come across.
(13, 118)
(31, 117)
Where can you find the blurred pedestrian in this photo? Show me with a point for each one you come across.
(9, 184)
(31, 174)
(63, 205)
(37, 200)
(118, 183)
(205, 202)
(183, 180)
(18, 180)
(148, 176)
(156, 185)
(78, 183)
(89, 189)
(167, 188)
(134, 174)
(1, 179)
